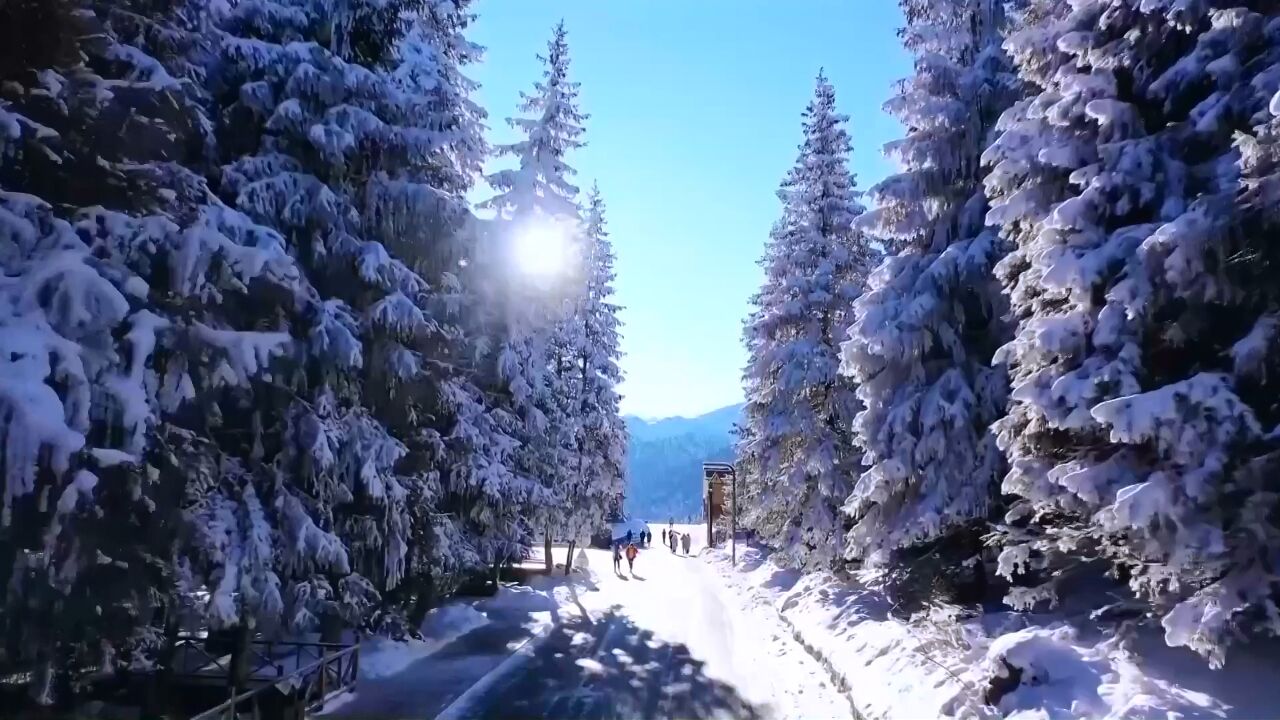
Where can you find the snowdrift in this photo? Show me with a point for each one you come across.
(1000, 664)
(382, 656)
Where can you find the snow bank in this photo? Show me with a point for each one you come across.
(536, 606)
(1051, 673)
(1019, 666)
(381, 656)
(872, 657)
(411, 671)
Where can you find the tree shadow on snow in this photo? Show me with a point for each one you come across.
(614, 669)
(751, 560)
(782, 579)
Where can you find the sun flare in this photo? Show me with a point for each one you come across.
(542, 249)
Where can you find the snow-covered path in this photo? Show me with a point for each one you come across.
(666, 642)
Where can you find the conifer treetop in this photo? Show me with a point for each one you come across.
(552, 127)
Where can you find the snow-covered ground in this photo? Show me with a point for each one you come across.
(700, 634)
(943, 667)
(382, 657)
(463, 642)
(684, 601)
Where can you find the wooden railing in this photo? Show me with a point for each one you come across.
(292, 678)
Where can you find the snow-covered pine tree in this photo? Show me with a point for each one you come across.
(1139, 429)
(747, 464)
(600, 445)
(800, 410)
(322, 143)
(925, 329)
(123, 278)
(454, 443)
(533, 348)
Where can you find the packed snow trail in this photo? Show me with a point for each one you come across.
(663, 642)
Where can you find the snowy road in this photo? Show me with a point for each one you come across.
(665, 643)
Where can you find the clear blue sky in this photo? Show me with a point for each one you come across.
(695, 118)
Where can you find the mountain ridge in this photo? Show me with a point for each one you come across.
(664, 461)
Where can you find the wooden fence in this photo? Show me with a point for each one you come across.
(284, 680)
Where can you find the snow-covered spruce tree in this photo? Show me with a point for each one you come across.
(463, 441)
(925, 329)
(322, 143)
(800, 410)
(128, 285)
(1139, 425)
(531, 318)
(747, 464)
(600, 445)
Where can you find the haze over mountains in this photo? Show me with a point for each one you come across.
(664, 461)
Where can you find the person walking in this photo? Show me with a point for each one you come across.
(631, 558)
(664, 536)
(686, 541)
(671, 540)
(628, 537)
(617, 558)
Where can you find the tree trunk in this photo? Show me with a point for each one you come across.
(64, 686)
(331, 627)
(421, 604)
(568, 558)
(158, 700)
(546, 551)
(239, 666)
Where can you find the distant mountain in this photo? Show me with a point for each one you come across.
(664, 461)
(716, 422)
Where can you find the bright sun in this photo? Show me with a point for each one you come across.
(542, 249)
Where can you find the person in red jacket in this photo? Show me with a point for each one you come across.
(631, 558)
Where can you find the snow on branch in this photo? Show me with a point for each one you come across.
(244, 354)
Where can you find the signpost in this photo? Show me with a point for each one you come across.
(715, 473)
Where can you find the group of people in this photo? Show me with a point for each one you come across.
(630, 552)
(645, 537)
(672, 539)
(626, 547)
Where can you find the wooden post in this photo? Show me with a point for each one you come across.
(324, 670)
(353, 664)
(709, 507)
(546, 550)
